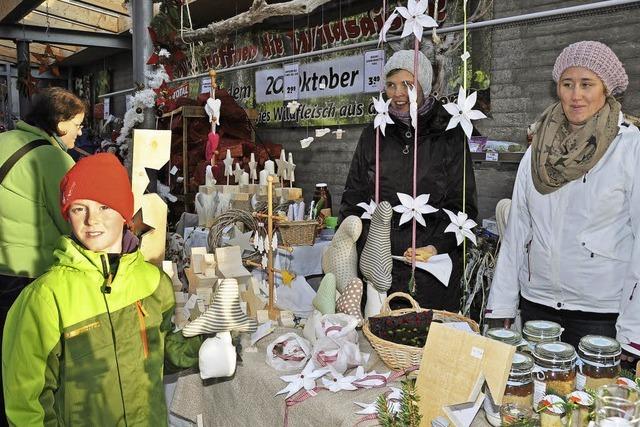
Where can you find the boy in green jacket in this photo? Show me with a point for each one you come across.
(86, 343)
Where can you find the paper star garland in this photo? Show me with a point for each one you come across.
(413, 104)
(382, 116)
(462, 112)
(416, 18)
(369, 208)
(305, 379)
(461, 226)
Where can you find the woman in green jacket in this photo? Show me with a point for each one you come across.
(86, 343)
(33, 159)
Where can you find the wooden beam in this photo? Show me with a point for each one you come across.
(57, 8)
(40, 20)
(39, 48)
(112, 5)
(12, 11)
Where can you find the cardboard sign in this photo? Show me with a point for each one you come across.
(291, 87)
(373, 70)
(455, 364)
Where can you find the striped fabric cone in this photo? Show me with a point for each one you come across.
(224, 313)
(376, 262)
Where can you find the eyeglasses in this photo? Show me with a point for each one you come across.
(78, 126)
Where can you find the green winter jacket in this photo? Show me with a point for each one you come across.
(30, 218)
(75, 355)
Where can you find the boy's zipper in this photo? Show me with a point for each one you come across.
(142, 313)
(106, 273)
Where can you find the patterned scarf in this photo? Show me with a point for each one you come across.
(405, 117)
(559, 156)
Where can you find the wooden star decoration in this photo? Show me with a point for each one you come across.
(139, 227)
(48, 61)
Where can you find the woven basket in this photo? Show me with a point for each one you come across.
(398, 356)
(298, 233)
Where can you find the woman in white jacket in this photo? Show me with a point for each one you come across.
(571, 250)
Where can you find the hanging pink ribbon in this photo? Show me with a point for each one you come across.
(415, 166)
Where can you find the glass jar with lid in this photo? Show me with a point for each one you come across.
(541, 331)
(600, 365)
(322, 200)
(519, 388)
(504, 335)
(555, 369)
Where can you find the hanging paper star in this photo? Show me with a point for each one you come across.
(339, 382)
(461, 226)
(304, 143)
(382, 110)
(293, 106)
(413, 104)
(462, 112)
(386, 27)
(305, 379)
(48, 61)
(413, 208)
(416, 18)
(369, 208)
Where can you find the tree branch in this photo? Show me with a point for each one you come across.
(258, 12)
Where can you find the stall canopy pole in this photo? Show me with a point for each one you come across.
(141, 14)
(23, 61)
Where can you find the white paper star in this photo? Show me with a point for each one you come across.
(282, 165)
(305, 379)
(461, 225)
(369, 208)
(367, 408)
(237, 173)
(393, 403)
(293, 106)
(339, 382)
(304, 143)
(413, 104)
(465, 56)
(462, 112)
(212, 108)
(370, 379)
(413, 208)
(416, 19)
(228, 163)
(241, 239)
(382, 108)
(386, 27)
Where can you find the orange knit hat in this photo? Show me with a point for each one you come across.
(101, 178)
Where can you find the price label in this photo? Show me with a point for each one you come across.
(291, 87)
(491, 157)
(205, 85)
(373, 68)
(106, 113)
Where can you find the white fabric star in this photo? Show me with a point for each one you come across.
(416, 18)
(382, 108)
(304, 143)
(461, 225)
(462, 112)
(413, 104)
(413, 208)
(305, 379)
(386, 27)
(339, 382)
(369, 208)
(241, 239)
(212, 108)
(228, 162)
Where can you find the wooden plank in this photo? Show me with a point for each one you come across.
(13, 10)
(112, 5)
(39, 19)
(39, 48)
(57, 8)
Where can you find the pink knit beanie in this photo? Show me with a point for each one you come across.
(596, 57)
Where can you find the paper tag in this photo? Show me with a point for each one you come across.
(174, 170)
(539, 391)
(491, 157)
(477, 352)
(291, 81)
(106, 112)
(581, 381)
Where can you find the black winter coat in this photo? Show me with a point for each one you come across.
(440, 174)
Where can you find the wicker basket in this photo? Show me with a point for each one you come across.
(298, 233)
(398, 356)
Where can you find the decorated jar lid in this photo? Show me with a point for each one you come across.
(580, 398)
(522, 364)
(599, 346)
(505, 335)
(552, 404)
(541, 330)
(554, 352)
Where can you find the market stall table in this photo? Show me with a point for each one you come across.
(248, 399)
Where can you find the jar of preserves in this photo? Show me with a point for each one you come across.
(552, 411)
(519, 388)
(541, 331)
(554, 369)
(579, 407)
(322, 200)
(600, 364)
(504, 335)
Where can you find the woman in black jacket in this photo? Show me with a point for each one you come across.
(439, 174)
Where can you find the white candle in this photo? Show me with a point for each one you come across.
(270, 167)
(244, 179)
(263, 176)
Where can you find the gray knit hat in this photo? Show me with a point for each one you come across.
(403, 59)
(596, 57)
